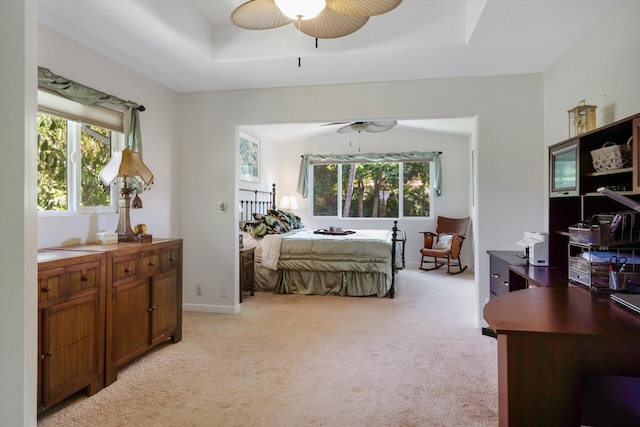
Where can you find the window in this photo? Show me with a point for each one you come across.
(70, 158)
(75, 142)
(372, 189)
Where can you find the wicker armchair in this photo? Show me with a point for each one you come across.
(444, 246)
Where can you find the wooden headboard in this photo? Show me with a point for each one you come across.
(258, 202)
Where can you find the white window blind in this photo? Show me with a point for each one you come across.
(55, 105)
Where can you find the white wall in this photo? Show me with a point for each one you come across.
(510, 162)
(161, 147)
(603, 68)
(456, 167)
(18, 304)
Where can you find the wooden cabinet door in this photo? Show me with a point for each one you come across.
(164, 305)
(70, 344)
(130, 320)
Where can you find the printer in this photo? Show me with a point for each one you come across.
(536, 247)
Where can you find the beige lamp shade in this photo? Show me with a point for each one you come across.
(126, 163)
(288, 203)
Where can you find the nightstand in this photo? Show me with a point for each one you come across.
(246, 270)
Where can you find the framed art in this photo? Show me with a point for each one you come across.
(249, 158)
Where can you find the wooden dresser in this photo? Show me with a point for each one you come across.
(133, 293)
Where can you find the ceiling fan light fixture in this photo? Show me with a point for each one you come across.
(301, 9)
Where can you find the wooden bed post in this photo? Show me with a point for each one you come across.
(273, 197)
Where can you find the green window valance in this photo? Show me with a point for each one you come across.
(88, 96)
(412, 156)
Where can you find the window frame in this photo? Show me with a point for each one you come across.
(74, 165)
(400, 192)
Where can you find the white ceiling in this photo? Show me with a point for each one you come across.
(191, 45)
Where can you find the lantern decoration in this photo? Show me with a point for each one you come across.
(582, 118)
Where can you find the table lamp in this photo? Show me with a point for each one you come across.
(126, 164)
(288, 203)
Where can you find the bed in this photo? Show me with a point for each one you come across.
(293, 259)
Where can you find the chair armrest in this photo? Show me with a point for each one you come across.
(456, 245)
(429, 239)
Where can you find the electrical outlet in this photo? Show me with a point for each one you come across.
(223, 292)
(198, 291)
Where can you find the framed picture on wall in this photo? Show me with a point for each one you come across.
(249, 158)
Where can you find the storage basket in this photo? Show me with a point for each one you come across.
(611, 156)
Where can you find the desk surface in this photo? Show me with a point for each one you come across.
(561, 310)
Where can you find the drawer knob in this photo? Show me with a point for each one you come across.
(506, 284)
(42, 356)
(126, 270)
(49, 353)
(45, 289)
(84, 279)
(151, 264)
(495, 275)
(172, 259)
(153, 307)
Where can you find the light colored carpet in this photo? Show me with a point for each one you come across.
(290, 360)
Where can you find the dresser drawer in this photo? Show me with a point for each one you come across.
(170, 258)
(83, 277)
(246, 257)
(149, 262)
(125, 268)
(51, 284)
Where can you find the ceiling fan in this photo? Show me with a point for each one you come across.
(331, 19)
(365, 126)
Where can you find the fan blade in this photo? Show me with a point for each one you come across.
(384, 123)
(381, 125)
(346, 129)
(374, 128)
(362, 7)
(334, 123)
(259, 15)
(331, 24)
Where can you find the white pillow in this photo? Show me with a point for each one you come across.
(444, 241)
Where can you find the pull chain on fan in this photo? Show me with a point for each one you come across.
(358, 140)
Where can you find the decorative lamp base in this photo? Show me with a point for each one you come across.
(128, 237)
(125, 233)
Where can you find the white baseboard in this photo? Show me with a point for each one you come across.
(206, 308)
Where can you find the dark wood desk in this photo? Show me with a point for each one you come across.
(549, 338)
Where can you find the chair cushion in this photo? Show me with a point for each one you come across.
(444, 242)
(438, 253)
